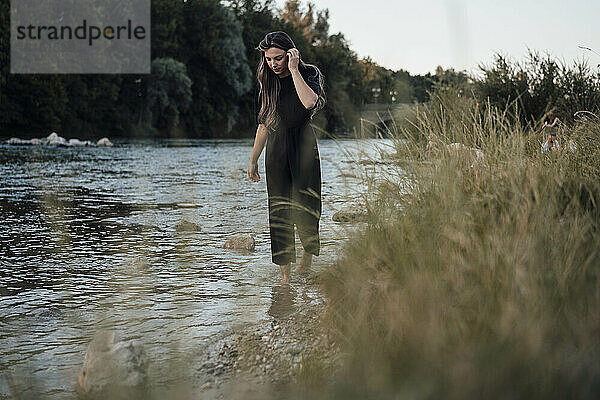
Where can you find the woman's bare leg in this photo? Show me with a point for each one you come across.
(285, 272)
(306, 260)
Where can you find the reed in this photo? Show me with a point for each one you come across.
(474, 278)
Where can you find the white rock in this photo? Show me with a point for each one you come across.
(17, 141)
(54, 139)
(53, 136)
(104, 142)
(112, 368)
(78, 143)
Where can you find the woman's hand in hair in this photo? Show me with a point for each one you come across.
(293, 59)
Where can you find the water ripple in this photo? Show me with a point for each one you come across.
(89, 240)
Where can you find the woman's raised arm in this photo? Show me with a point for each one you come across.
(307, 96)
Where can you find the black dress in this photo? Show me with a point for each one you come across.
(293, 171)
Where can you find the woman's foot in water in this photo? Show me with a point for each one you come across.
(305, 262)
(285, 273)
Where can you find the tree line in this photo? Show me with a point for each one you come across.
(202, 82)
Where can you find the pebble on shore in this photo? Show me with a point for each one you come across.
(272, 355)
(352, 213)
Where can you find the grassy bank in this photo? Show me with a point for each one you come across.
(482, 280)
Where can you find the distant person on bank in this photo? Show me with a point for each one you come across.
(551, 128)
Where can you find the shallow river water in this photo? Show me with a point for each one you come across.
(89, 241)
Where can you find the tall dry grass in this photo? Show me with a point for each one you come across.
(473, 279)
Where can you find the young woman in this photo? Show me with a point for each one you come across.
(550, 123)
(290, 93)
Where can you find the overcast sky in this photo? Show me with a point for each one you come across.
(419, 35)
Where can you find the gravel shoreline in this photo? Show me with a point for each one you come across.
(265, 361)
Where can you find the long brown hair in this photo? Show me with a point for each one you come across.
(268, 82)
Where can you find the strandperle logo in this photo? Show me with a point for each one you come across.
(80, 36)
(81, 32)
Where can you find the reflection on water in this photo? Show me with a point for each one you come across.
(89, 240)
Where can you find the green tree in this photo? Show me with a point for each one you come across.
(343, 84)
(456, 79)
(403, 91)
(312, 23)
(167, 28)
(94, 104)
(379, 83)
(169, 93)
(257, 19)
(216, 59)
(33, 104)
(216, 43)
(422, 85)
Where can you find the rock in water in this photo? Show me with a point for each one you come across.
(112, 369)
(186, 226)
(54, 139)
(104, 142)
(350, 214)
(17, 141)
(78, 143)
(240, 242)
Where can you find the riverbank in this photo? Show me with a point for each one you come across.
(478, 273)
(289, 356)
